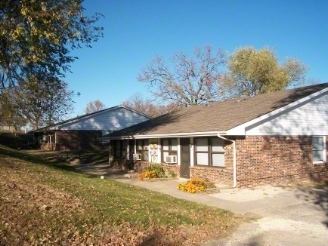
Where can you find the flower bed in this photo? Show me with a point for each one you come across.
(156, 171)
(196, 184)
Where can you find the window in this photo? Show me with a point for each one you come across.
(209, 152)
(169, 147)
(142, 148)
(47, 139)
(120, 148)
(319, 149)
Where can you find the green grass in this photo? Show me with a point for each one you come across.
(44, 203)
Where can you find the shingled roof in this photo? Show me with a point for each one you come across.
(218, 116)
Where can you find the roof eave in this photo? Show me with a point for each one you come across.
(241, 129)
(169, 135)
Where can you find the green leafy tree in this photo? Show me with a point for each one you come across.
(39, 103)
(10, 116)
(44, 104)
(39, 35)
(36, 38)
(252, 72)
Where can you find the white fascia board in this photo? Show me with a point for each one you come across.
(135, 111)
(241, 129)
(189, 134)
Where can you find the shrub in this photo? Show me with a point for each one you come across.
(156, 171)
(147, 174)
(170, 173)
(195, 184)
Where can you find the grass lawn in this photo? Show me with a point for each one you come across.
(47, 203)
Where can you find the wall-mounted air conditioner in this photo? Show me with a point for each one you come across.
(136, 157)
(171, 159)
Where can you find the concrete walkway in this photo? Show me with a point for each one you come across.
(257, 201)
(285, 216)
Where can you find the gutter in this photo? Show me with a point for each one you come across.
(181, 135)
(234, 173)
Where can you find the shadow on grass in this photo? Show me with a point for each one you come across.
(96, 168)
(162, 238)
(5, 151)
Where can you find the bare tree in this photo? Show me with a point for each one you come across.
(94, 106)
(185, 81)
(138, 103)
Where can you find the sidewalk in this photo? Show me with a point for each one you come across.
(170, 187)
(285, 216)
(243, 201)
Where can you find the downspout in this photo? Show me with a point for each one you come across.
(234, 172)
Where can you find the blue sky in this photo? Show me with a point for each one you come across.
(137, 30)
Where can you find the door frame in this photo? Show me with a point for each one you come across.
(183, 166)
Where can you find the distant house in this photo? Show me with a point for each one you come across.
(85, 132)
(6, 128)
(266, 139)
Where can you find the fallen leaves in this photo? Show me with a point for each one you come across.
(40, 205)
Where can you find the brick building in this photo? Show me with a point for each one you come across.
(85, 132)
(272, 138)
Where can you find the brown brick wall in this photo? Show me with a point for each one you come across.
(47, 146)
(173, 167)
(78, 140)
(124, 164)
(217, 175)
(139, 166)
(276, 160)
(121, 164)
(213, 174)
